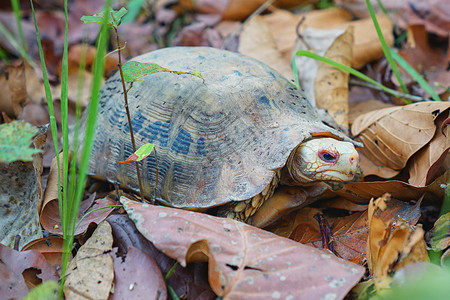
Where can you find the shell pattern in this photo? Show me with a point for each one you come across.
(217, 140)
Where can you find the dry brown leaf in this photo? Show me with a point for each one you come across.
(90, 274)
(391, 244)
(14, 94)
(366, 45)
(50, 247)
(331, 84)
(317, 41)
(20, 271)
(426, 164)
(392, 135)
(349, 233)
(256, 41)
(192, 280)
(244, 261)
(20, 195)
(137, 276)
(282, 25)
(49, 214)
(363, 107)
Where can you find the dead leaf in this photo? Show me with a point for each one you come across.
(366, 45)
(90, 274)
(392, 135)
(317, 41)
(14, 96)
(391, 244)
(190, 281)
(20, 271)
(429, 61)
(256, 41)
(243, 260)
(282, 25)
(349, 233)
(331, 84)
(427, 163)
(50, 247)
(49, 214)
(20, 196)
(137, 276)
(363, 107)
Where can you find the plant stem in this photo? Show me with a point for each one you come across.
(125, 97)
(392, 92)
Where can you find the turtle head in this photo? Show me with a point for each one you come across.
(323, 159)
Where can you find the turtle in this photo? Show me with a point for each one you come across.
(227, 140)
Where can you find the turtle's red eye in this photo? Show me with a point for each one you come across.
(328, 156)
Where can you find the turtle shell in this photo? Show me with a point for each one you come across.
(217, 140)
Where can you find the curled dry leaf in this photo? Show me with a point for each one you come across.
(191, 281)
(429, 161)
(244, 261)
(49, 215)
(50, 247)
(392, 135)
(391, 245)
(349, 233)
(257, 42)
(90, 274)
(331, 84)
(21, 271)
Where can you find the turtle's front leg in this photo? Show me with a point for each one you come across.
(285, 200)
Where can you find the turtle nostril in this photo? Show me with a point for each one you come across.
(353, 159)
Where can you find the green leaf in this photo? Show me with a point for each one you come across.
(114, 19)
(47, 290)
(133, 70)
(140, 154)
(15, 140)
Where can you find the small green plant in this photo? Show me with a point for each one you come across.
(15, 139)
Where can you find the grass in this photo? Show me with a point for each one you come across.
(70, 200)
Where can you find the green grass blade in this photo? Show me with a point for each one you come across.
(88, 213)
(16, 8)
(48, 96)
(385, 47)
(23, 53)
(417, 77)
(134, 6)
(92, 110)
(65, 125)
(346, 69)
(295, 70)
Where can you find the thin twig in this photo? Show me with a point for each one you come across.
(125, 97)
(395, 93)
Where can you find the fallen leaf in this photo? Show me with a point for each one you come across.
(425, 165)
(21, 271)
(317, 41)
(49, 214)
(331, 84)
(391, 244)
(282, 25)
(392, 135)
(137, 276)
(362, 107)
(191, 281)
(14, 96)
(244, 260)
(428, 60)
(50, 247)
(90, 274)
(349, 233)
(256, 41)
